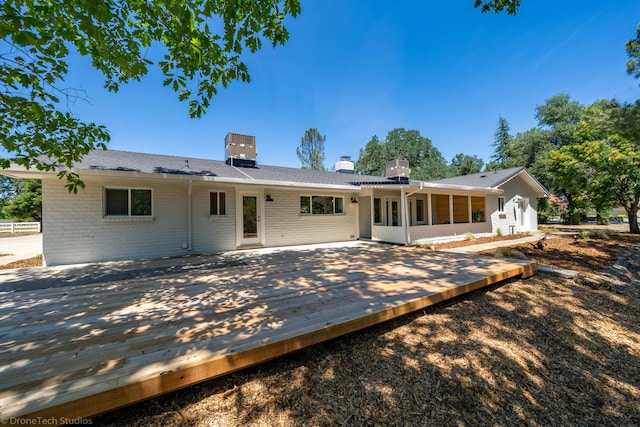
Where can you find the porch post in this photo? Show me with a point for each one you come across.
(470, 214)
(405, 216)
(189, 220)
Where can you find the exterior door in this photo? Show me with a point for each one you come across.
(393, 212)
(364, 217)
(249, 221)
(522, 217)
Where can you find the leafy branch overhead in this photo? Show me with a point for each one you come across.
(201, 44)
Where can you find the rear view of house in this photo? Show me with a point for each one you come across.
(138, 205)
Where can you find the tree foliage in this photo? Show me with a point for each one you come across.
(201, 44)
(311, 150)
(561, 116)
(603, 165)
(464, 164)
(425, 160)
(502, 144)
(22, 199)
(633, 51)
(497, 5)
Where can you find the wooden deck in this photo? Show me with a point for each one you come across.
(78, 351)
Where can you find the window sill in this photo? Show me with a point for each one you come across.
(110, 219)
(213, 218)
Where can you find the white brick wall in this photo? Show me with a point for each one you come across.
(504, 220)
(285, 226)
(75, 230)
(213, 233)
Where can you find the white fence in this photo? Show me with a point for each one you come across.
(19, 227)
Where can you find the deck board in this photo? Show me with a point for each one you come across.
(77, 351)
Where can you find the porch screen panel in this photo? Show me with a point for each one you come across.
(460, 209)
(440, 207)
(478, 209)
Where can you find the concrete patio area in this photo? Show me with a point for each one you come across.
(83, 340)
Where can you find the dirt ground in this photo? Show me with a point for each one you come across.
(23, 263)
(587, 254)
(544, 351)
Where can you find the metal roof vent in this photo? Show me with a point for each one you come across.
(398, 170)
(345, 165)
(240, 150)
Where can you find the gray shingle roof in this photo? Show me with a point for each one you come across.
(125, 161)
(492, 179)
(115, 160)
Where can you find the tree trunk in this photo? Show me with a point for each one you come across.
(632, 213)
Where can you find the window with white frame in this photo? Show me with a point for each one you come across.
(500, 204)
(217, 203)
(321, 205)
(377, 210)
(132, 202)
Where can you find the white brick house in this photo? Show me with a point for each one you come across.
(137, 206)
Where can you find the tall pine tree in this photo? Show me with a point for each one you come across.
(311, 150)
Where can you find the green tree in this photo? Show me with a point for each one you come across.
(502, 144)
(200, 45)
(425, 160)
(371, 159)
(603, 170)
(633, 51)
(311, 150)
(561, 116)
(7, 192)
(464, 164)
(26, 200)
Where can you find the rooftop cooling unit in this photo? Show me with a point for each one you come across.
(398, 170)
(240, 150)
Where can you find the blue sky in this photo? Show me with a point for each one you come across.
(358, 68)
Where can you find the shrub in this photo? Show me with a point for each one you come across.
(583, 235)
(469, 236)
(499, 232)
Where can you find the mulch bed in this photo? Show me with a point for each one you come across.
(544, 351)
(586, 255)
(23, 263)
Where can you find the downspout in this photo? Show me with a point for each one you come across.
(189, 225)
